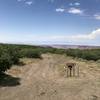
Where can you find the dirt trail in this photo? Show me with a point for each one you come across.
(45, 80)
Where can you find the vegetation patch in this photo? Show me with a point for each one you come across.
(10, 54)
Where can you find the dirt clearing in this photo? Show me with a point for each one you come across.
(45, 79)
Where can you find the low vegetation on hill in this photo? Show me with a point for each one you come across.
(10, 54)
(88, 54)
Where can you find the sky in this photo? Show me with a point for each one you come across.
(68, 22)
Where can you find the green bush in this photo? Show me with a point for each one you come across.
(5, 62)
(8, 57)
(14, 54)
(92, 54)
(29, 53)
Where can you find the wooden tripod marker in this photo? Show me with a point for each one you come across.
(71, 69)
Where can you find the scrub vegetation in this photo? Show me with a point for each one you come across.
(11, 54)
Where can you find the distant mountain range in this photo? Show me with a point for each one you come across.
(60, 46)
(72, 46)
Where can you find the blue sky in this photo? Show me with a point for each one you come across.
(50, 21)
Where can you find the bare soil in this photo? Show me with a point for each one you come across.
(46, 79)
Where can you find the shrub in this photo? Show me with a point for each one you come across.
(5, 62)
(14, 54)
(8, 56)
(29, 53)
(84, 54)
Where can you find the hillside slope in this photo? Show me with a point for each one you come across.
(46, 80)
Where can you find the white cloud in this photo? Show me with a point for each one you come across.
(93, 35)
(31, 38)
(60, 10)
(74, 4)
(75, 11)
(77, 3)
(97, 16)
(20, 0)
(28, 3)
